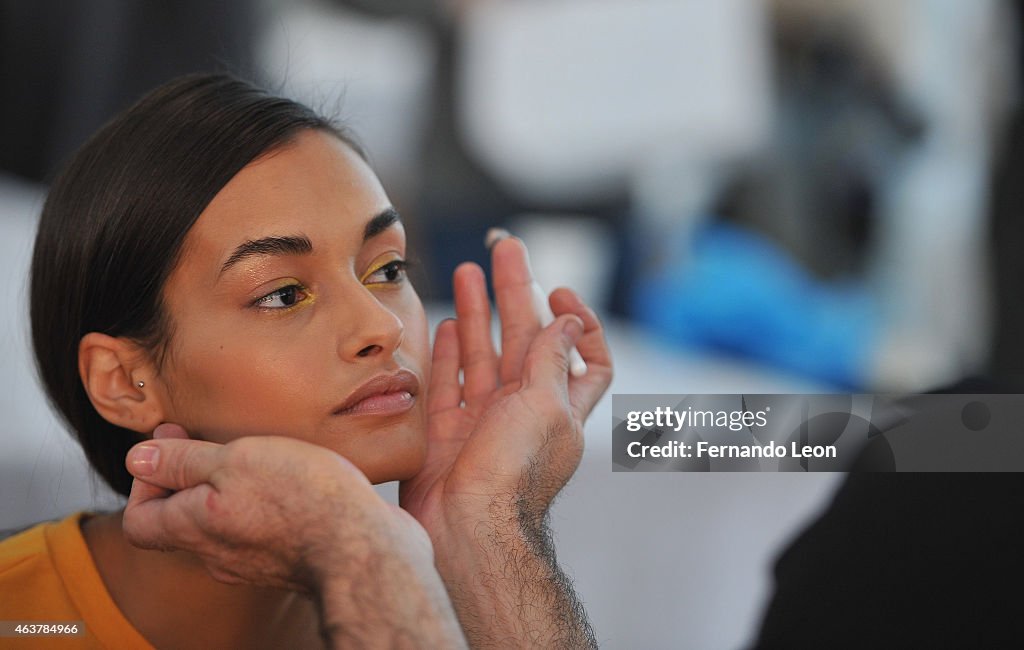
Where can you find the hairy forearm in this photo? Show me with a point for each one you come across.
(389, 604)
(506, 585)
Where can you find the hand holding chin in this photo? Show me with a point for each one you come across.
(285, 513)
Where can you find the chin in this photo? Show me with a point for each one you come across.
(388, 449)
(384, 452)
(405, 462)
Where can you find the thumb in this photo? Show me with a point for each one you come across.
(174, 464)
(547, 360)
(141, 490)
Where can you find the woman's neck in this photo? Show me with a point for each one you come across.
(174, 603)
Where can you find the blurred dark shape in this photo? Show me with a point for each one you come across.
(1007, 215)
(840, 126)
(905, 561)
(67, 66)
(902, 560)
(877, 456)
(976, 416)
(458, 199)
(781, 272)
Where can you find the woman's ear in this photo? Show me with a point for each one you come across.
(121, 382)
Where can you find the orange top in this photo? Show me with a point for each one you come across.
(47, 575)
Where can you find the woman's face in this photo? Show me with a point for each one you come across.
(291, 314)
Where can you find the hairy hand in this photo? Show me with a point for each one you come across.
(505, 439)
(264, 510)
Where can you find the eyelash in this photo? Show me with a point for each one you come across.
(262, 302)
(397, 267)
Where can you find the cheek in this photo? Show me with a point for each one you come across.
(416, 345)
(227, 384)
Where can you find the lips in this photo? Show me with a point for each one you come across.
(389, 394)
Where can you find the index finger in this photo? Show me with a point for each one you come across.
(155, 518)
(473, 322)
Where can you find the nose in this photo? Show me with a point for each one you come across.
(375, 330)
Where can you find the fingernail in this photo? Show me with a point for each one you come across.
(442, 324)
(572, 329)
(495, 235)
(142, 460)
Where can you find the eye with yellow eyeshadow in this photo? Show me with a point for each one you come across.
(391, 269)
(283, 298)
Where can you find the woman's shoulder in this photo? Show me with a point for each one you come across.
(30, 543)
(29, 568)
(47, 573)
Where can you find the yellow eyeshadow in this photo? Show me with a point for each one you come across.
(380, 263)
(309, 299)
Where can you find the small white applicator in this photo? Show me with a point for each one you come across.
(577, 366)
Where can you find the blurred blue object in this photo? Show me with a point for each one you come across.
(733, 290)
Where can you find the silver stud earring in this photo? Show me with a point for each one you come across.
(141, 384)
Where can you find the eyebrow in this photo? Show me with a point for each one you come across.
(387, 218)
(300, 244)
